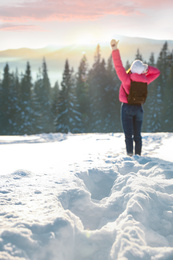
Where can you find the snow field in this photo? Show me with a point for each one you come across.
(79, 197)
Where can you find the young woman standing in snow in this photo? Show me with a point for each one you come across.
(131, 115)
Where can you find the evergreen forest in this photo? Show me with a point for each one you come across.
(86, 101)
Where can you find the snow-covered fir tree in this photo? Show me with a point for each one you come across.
(103, 94)
(150, 107)
(69, 118)
(163, 64)
(138, 55)
(8, 104)
(168, 98)
(96, 92)
(55, 97)
(82, 93)
(44, 103)
(26, 112)
(112, 120)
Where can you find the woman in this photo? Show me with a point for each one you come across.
(131, 115)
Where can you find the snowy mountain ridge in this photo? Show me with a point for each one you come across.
(56, 55)
(66, 196)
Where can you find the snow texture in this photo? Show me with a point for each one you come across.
(79, 197)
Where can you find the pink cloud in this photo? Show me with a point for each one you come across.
(65, 10)
(18, 27)
(148, 4)
(75, 9)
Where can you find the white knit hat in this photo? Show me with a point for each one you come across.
(138, 67)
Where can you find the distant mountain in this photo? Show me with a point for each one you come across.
(56, 56)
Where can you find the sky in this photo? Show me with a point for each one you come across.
(39, 23)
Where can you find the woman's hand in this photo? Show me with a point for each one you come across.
(114, 44)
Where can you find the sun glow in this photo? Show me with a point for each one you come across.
(86, 39)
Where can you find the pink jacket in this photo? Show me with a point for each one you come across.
(126, 78)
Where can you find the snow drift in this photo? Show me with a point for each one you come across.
(79, 197)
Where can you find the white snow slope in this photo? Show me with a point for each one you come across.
(79, 197)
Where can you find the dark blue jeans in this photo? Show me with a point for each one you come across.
(132, 117)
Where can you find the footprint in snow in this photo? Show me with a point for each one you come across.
(99, 183)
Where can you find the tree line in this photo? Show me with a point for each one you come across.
(86, 100)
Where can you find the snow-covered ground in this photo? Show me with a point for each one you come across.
(79, 197)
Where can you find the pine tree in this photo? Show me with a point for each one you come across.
(4, 100)
(164, 64)
(8, 103)
(112, 99)
(43, 101)
(151, 60)
(38, 124)
(55, 97)
(17, 85)
(138, 55)
(103, 95)
(127, 67)
(150, 107)
(82, 93)
(168, 99)
(25, 103)
(96, 93)
(68, 119)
